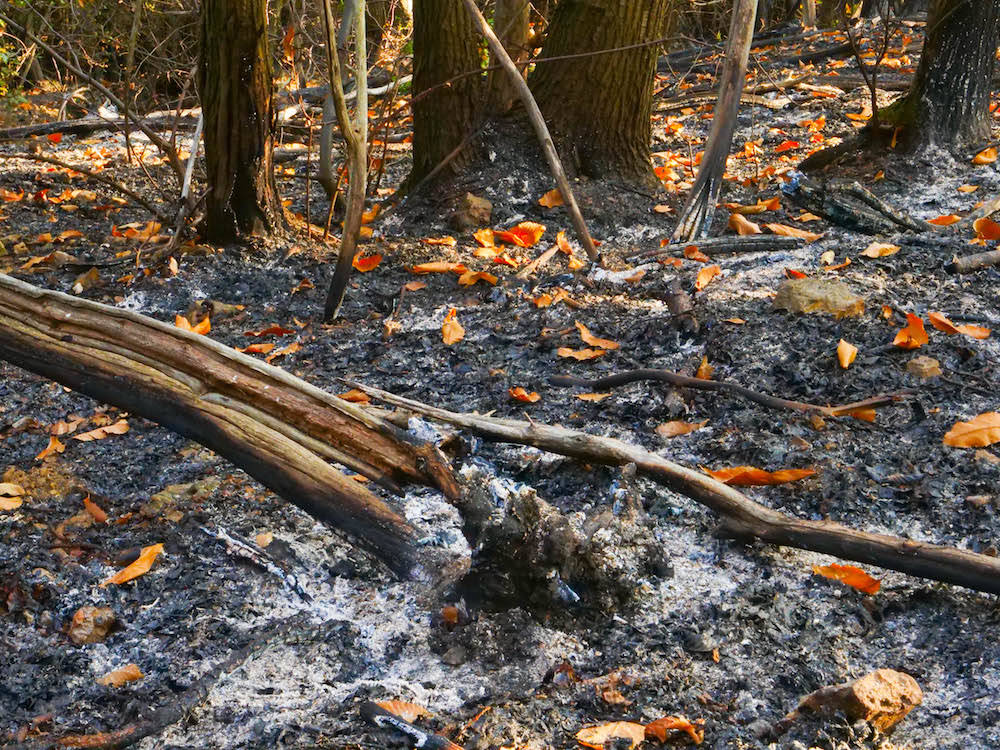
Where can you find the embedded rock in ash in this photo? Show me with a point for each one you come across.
(471, 212)
(811, 295)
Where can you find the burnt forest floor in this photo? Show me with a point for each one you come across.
(732, 633)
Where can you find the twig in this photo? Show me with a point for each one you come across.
(538, 122)
(970, 263)
(751, 243)
(741, 515)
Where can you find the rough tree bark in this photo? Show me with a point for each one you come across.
(598, 107)
(444, 46)
(235, 87)
(948, 101)
(510, 22)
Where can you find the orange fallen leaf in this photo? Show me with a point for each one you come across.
(705, 370)
(941, 322)
(447, 241)
(838, 266)
(986, 229)
(967, 188)
(675, 428)
(793, 274)
(118, 428)
(122, 676)
(203, 327)
(9, 489)
(735, 321)
(438, 266)
(864, 414)
(691, 252)
(290, 349)
(786, 146)
(595, 397)
(944, 221)
(10, 503)
(366, 263)
(742, 225)
(525, 234)
(451, 330)
(256, 348)
(140, 567)
(596, 737)
(95, 510)
(849, 574)
(54, 137)
(786, 231)
(551, 199)
(54, 446)
(879, 250)
(484, 237)
(414, 286)
(274, 330)
(580, 354)
(846, 353)
(705, 275)
(589, 338)
(751, 476)
(913, 335)
(986, 156)
(406, 711)
(10, 196)
(471, 277)
(355, 396)
(772, 204)
(563, 244)
(506, 260)
(519, 394)
(665, 724)
(979, 432)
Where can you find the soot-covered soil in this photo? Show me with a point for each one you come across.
(727, 632)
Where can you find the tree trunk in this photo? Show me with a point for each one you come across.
(948, 102)
(444, 46)
(510, 22)
(598, 107)
(234, 83)
(832, 13)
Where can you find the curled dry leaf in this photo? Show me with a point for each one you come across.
(9, 489)
(589, 338)
(986, 229)
(751, 476)
(945, 221)
(705, 370)
(519, 394)
(691, 252)
(705, 276)
(122, 676)
(967, 188)
(264, 538)
(660, 728)
(978, 432)
(10, 503)
(355, 396)
(880, 250)
(140, 567)
(366, 263)
(439, 266)
(596, 737)
(912, 335)
(592, 396)
(849, 574)
(771, 204)
(274, 330)
(525, 234)
(204, 325)
(941, 322)
(451, 330)
(256, 348)
(54, 446)
(485, 237)
(551, 199)
(471, 277)
(675, 428)
(95, 511)
(786, 231)
(406, 711)
(986, 156)
(846, 353)
(563, 244)
(580, 354)
(447, 241)
(118, 428)
(742, 225)
(290, 349)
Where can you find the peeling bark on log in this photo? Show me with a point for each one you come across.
(279, 429)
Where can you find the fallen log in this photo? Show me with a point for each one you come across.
(278, 428)
(741, 516)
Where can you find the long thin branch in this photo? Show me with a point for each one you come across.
(741, 515)
(541, 129)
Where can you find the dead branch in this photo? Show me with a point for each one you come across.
(741, 516)
(685, 381)
(728, 245)
(970, 263)
(541, 129)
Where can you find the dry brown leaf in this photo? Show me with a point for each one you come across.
(355, 396)
(484, 237)
(203, 327)
(691, 252)
(979, 432)
(589, 338)
(9, 489)
(596, 737)
(735, 321)
(65, 427)
(551, 199)
(140, 567)
(986, 156)
(290, 349)
(447, 241)
(580, 354)
(705, 275)
(595, 397)
(10, 503)
(274, 330)
(519, 394)
(406, 711)
(660, 728)
(912, 335)
(968, 188)
(264, 538)
(705, 370)
(451, 330)
(118, 428)
(439, 266)
(471, 277)
(675, 428)
(525, 234)
(846, 353)
(751, 476)
(414, 286)
(851, 575)
(941, 322)
(122, 676)
(95, 510)
(366, 263)
(945, 221)
(742, 225)
(880, 250)
(786, 231)
(54, 446)
(256, 348)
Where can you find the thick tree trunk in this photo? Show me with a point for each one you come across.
(510, 22)
(279, 429)
(598, 107)
(948, 102)
(444, 46)
(832, 13)
(234, 83)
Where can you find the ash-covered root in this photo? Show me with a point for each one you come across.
(527, 550)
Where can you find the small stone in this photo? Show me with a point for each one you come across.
(455, 656)
(883, 698)
(813, 295)
(978, 501)
(91, 625)
(471, 211)
(924, 367)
